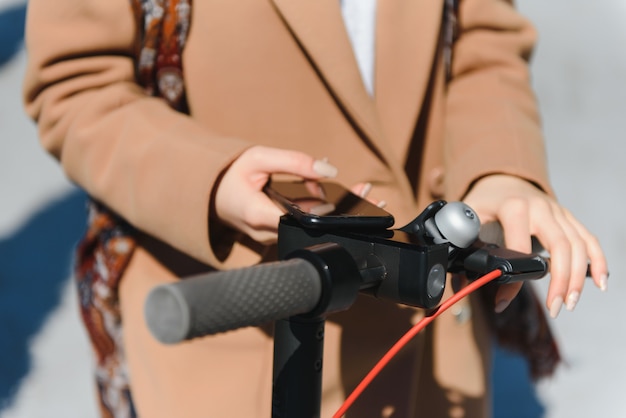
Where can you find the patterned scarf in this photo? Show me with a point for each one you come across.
(104, 252)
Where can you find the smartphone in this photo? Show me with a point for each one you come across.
(327, 205)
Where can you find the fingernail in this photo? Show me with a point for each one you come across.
(382, 204)
(604, 282)
(324, 168)
(323, 209)
(367, 187)
(502, 305)
(555, 308)
(572, 300)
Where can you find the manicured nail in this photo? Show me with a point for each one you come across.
(324, 168)
(367, 187)
(382, 204)
(502, 305)
(604, 282)
(555, 308)
(572, 300)
(322, 209)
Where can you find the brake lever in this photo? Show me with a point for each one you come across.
(481, 258)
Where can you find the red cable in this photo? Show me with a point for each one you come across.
(412, 333)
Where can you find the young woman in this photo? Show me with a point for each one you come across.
(279, 86)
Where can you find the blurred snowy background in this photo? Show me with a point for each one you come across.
(578, 70)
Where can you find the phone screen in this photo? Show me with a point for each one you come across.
(327, 205)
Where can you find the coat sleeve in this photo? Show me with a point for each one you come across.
(493, 125)
(152, 165)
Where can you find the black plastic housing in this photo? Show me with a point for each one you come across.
(392, 263)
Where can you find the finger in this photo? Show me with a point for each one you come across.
(315, 189)
(598, 264)
(556, 241)
(515, 220)
(505, 294)
(578, 262)
(361, 189)
(275, 160)
(514, 216)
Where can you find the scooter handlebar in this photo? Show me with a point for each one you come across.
(222, 301)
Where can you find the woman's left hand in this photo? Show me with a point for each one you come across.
(524, 210)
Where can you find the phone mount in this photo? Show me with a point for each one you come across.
(321, 271)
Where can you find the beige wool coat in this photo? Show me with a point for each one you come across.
(282, 73)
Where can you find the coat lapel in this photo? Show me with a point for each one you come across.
(318, 26)
(406, 39)
(407, 32)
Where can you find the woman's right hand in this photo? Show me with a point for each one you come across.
(239, 199)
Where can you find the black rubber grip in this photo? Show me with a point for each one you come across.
(226, 300)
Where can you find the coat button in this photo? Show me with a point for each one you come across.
(461, 313)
